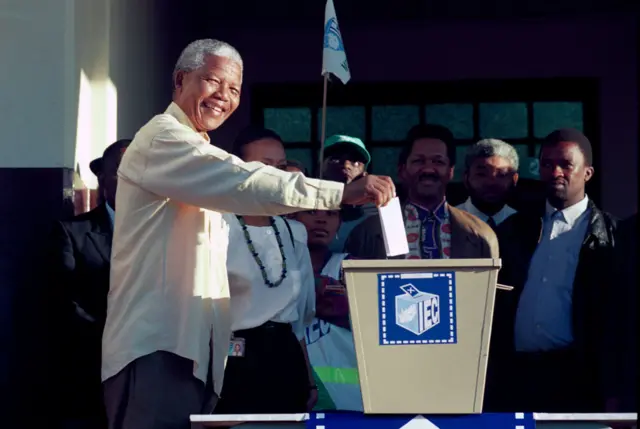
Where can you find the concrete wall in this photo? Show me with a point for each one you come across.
(36, 97)
(76, 75)
(605, 48)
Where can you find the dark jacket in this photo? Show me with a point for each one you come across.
(621, 324)
(80, 251)
(519, 236)
(470, 238)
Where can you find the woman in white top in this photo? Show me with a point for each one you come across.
(272, 301)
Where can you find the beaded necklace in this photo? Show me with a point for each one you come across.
(256, 257)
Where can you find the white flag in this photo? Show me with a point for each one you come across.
(334, 58)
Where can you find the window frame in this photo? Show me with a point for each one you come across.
(475, 92)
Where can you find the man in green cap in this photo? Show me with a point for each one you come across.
(345, 159)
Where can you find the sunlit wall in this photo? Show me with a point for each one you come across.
(64, 62)
(76, 75)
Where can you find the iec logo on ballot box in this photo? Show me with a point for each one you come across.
(417, 308)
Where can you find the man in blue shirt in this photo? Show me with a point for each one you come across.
(550, 326)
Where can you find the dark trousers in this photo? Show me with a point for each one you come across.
(156, 391)
(271, 377)
(554, 382)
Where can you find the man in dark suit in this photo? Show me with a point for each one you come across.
(435, 230)
(80, 252)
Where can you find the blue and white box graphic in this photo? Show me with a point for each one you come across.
(417, 308)
(417, 311)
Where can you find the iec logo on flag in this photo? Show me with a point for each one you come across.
(332, 37)
(334, 58)
(417, 308)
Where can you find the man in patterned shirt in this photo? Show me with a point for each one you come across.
(435, 230)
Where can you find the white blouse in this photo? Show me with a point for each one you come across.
(253, 303)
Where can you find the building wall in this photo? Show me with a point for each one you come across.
(76, 76)
(605, 48)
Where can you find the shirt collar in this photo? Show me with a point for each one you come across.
(175, 111)
(111, 212)
(572, 213)
(499, 217)
(439, 212)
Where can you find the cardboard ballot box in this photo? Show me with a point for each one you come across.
(421, 330)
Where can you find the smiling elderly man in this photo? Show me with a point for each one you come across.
(167, 330)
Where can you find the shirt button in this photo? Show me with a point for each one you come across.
(269, 232)
(544, 280)
(537, 326)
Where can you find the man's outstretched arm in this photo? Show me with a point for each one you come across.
(178, 164)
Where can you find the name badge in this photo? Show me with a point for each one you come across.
(236, 347)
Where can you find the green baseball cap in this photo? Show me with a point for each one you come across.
(355, 142)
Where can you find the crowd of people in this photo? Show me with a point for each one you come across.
(211, 282)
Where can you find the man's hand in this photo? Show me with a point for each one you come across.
(369, 189)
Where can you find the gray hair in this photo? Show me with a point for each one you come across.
(195, 54)
(491, 147)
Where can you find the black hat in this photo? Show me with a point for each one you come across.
(96, 165)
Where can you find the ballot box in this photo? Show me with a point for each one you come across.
(421, 330)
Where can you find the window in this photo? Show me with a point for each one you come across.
(384, 160)
(459, 169)
(521, 112)
(347, 120)
(457, 117)
(293, 125)
(391, 123)
(549, 116)
(503, 120)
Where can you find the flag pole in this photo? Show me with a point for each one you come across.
(324, 123)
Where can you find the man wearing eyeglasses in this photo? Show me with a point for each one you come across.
(345, 159)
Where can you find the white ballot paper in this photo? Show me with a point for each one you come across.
(395, 236)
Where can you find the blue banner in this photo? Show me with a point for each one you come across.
(472, 421)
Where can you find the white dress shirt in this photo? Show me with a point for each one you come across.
(111, 213)
(168, 285)
(253, 303)
(545, 310)
(498, 218)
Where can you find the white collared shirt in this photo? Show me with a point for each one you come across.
(253, 303)
(111, 213)
(168, 286)
(568, 217)
(498, 218)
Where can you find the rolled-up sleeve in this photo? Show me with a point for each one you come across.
(178, 164)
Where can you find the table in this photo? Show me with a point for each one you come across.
(357, 420)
